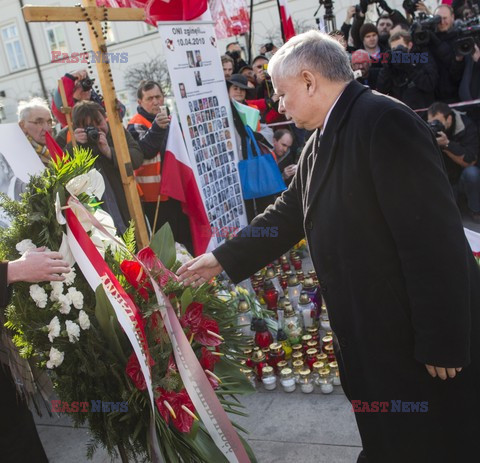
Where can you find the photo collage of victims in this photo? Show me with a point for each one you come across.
(217, 171)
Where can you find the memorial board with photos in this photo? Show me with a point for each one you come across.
(205, 114)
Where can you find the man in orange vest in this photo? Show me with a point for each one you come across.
(149, 127)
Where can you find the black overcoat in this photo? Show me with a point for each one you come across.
(399, 279)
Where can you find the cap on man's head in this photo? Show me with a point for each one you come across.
(259, 57)
(367, 29)
(239, 80)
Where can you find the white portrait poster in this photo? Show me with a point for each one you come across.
(18, 161)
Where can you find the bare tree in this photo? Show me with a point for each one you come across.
(155, 69)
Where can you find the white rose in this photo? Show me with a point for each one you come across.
(70, 277)
(24, 246)
(39, 295)
(76, 297)
(57, 290)
(56, 358)
(73, 331)
(53, 328)
(83, 320)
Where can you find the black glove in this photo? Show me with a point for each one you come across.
(364, 6)
(384, 6)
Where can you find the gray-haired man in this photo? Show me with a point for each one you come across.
(399, 279)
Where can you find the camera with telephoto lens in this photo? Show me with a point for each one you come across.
(92, 134)
(467, 35)
(235, 55)
(410, 6)
(422, 29)
(436, 127)
(87, 84)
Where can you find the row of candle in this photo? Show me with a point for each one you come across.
(324, 376)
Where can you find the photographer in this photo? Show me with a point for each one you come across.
(457, 137)
(78, 87)
(92, 131)
(388, 19)
(409, 75)
(369, 75)
(234, 50)
(442, 47)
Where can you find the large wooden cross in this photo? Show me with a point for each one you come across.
(95, 15)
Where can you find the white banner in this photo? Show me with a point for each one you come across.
(206, 117)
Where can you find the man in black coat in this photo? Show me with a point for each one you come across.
(19, 441)
(387, 242)
(410, 75)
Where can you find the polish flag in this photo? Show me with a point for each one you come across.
(288, 31)
(53, 147)
(178, 182)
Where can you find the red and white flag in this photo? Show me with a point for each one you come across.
(288, 31)
(178, 182)
(162, 10)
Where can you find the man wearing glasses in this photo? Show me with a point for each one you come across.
(35, 119)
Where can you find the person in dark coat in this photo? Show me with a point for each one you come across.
(400, 282)
(410, 75)
(86, 116)
(19, 440)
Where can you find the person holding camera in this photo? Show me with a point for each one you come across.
(384, 23)
(234, 50)
(442, 47)
(457, 137)
(78, 87)
(91, 131)
(150, 127)
(410, 76)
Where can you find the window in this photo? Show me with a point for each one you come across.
(56, 38)
(13, 48)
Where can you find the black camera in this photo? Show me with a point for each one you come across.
(92, 134)
(468, 34)
(436, 127)
(269, 46)
(87, 84)
(422, 29)
(410, 6)
(235, 55)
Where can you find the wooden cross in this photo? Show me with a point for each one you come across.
(95, 15)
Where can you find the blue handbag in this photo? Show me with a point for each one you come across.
(259, 173)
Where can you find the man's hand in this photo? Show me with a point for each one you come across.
(162, 119)
(422, 8)
(80, 135)
(441, 372)
(350, 14)
(290, 170)
(442, 140)
(199, 270)
(37, 265)
(103, 145)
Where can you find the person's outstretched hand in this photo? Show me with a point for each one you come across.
(37, 265)
(199, 270)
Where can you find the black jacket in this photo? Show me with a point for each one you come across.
(412, 83)
(462, 142)
(399, 279)
(114, 200)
